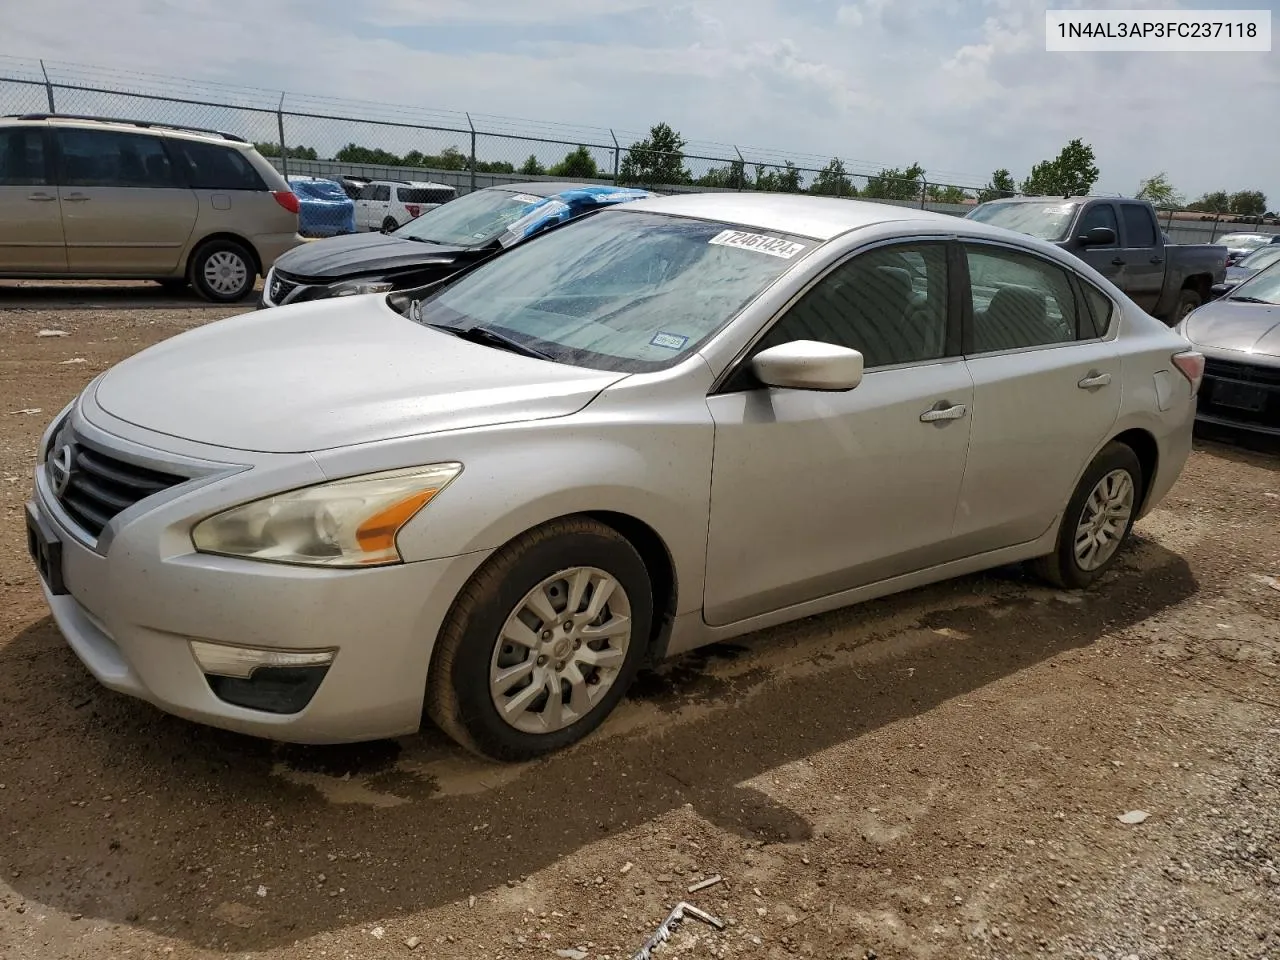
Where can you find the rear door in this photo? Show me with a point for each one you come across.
(31, 240)
(1107, 260)
(1143, 255)
(1046, 392)
(126, 207)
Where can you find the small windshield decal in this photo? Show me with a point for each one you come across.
(526, 198)
(759, 242)
(672, 341)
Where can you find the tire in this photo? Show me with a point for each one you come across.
(462, 693)
(389, 224)
(223, 271)
(1188, 300)
(1064, 567)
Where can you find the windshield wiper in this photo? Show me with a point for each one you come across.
(1248, 299)
(491, 338)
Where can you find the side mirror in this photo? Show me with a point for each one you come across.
(1218, 289)
(808, 365)
(1098, 237)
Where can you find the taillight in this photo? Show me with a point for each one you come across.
(413, 209)
(287, 199)
(1191, 365)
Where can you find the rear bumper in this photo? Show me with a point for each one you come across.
(272, 246)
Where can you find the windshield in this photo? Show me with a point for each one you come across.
(1047, 221)
(473, 220)
(631, 292)
(1268, 255)
(1264, 286)
(1243, 241)
(318, 189)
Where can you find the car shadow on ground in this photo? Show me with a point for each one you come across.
(111, 295)
(118, 812)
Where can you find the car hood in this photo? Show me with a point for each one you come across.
(361, 254)
(1231, 325)
(314, 376)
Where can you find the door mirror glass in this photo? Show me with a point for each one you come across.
(808, 365)
(1218, 289)
(1098, 237)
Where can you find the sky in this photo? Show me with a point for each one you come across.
(960, 86)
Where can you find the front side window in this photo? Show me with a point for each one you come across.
(1140, 230)
(890, 304)
(1018, 300)
(106, 158)
(215, 167)
(1099, 215)
(473, 220)
(624, 291)
(22, 161)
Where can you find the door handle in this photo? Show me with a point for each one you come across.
(1095, 379)
(75, 197)
(42, 197)
(1157, 259)
(1117, 261)
(934, 414)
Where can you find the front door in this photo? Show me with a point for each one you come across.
(1107, 260)
(1046, 393)
(31, 239)
(817, 492)
(125, 208)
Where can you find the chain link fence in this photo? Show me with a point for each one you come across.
(327, 136)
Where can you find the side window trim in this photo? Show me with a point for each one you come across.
(967, 305)
(739, 370)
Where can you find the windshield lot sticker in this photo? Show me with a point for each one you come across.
(773, 246)
(526, 198)
(672, 341)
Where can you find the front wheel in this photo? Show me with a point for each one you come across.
(389, 225)
(543, 642)
(1097, 520)
(223, 271)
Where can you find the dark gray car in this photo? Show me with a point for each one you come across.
(1239, 335)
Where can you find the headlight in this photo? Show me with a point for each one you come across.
(344, 523)
(351, 288)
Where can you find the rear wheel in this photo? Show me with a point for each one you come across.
(389, 224)
(543, 641)
(1097, 520)
(1188, 300)
(223, 271)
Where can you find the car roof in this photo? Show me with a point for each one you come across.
(819, 218)
(128, 125)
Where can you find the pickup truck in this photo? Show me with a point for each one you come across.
(1122, 240)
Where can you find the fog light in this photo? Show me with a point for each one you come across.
(273, 681)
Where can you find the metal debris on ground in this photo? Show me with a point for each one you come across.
(703, 884)
(53, 333)
(669, 925)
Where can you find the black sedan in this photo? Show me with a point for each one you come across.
(1239, 335)
(436, 245)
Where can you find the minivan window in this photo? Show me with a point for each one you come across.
(22, 160)
(1139, 229)
(625, 291)
(215, 167)
(109, 158)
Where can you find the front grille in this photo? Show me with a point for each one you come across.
(1241, 393)
(1244, 372)
(280, 288)
(93, 487)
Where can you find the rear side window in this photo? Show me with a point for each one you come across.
(1018, 300)
(424, 194)
(22, 161)
(215, 167)
(107, 158)
(1138, 227)
(1095, 319)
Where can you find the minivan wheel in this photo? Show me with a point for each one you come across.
(389, 224)
(223, 271)
(1097, 520)
(543, 642)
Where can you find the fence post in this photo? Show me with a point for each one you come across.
(924, 191)
(284, 151)
(743, 177)
(48, 88)
(1214, 235)
(473, 152)
(617, 153)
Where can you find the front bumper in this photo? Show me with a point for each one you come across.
(130, 609)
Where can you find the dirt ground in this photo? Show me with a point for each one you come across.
(936, 775)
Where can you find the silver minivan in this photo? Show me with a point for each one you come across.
(87, 198)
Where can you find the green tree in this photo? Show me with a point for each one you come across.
(655, 160)
(1000, 185)
(294, 153)
(785, 179)
(1249, 203)
(893, 184)
(354, 153)
(1160, 192)
(732, 177)
(833, 181)
(414, 158)
(1216, 201)
(1072, 172)
(532, 168)
(945, 193)
(577, 165)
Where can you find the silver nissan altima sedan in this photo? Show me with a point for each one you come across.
(490, 501)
